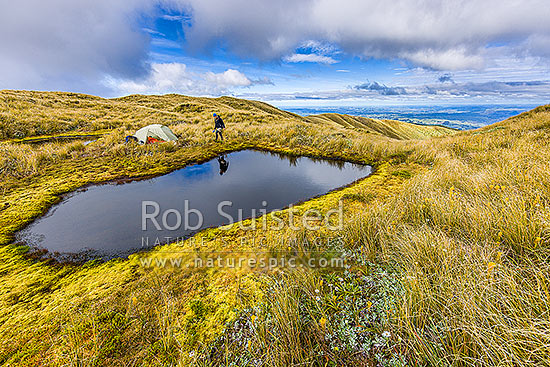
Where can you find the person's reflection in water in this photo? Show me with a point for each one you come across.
(223, 164)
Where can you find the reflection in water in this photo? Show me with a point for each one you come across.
(107, 219)
(224, 165)
(294, 160)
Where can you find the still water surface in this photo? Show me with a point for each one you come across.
(104, 221)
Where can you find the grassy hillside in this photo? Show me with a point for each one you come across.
(390, 128)
(25, 114)
(446, 243)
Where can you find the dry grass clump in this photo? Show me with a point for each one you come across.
(22, 160)
(471, 236)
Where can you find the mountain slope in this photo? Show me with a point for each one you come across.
(390, 128)
(26, 114)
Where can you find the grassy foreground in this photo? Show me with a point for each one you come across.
(446, 244)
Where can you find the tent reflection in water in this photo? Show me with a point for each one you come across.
(155, 133)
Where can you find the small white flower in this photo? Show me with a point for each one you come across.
(386, 334)
(318, 298)
(316, 291)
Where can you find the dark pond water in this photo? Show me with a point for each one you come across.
(107, 220)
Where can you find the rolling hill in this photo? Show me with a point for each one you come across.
(25, 114)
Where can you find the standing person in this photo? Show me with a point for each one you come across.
(218, 126)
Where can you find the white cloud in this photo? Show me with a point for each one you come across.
(176, 78)
(452, 59)
(321, 48)
(310, 58)
(153, 32)
(494, 91)
(439, 34)
(173, 17)
(70, 45)
(164, 78)
(229, 78)
(539, 45)
(64, 44)
(166, 43)
(314, 52)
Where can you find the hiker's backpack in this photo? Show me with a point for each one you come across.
(219, 122)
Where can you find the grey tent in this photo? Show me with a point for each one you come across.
(155, 132)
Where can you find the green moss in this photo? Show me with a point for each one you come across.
(402, 173)
(361, 197)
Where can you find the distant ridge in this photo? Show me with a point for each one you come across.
(390, 128)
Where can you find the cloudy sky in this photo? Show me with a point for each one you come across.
(287, 52)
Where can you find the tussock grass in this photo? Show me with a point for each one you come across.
(471, 237)
(447, 244)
